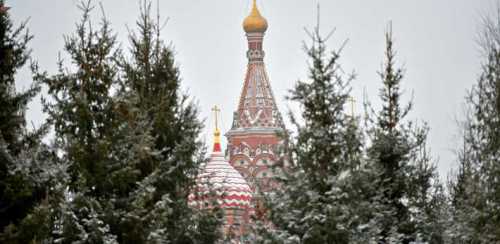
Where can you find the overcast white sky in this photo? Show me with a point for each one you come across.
(435, 42)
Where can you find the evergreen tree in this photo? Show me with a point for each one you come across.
(29, 173)
(408, 199)
(81, 111)
(14, 55)
(314, 201)
(476, 189)
(465, 194)
(151, 85)
(130, 140)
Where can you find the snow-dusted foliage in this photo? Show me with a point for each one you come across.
(30, 175)
(130, 139)
(80, 220)
(313, 204)
(339, 190)
(408, 197)
(40, 182)
(475, 190)
(151, 85)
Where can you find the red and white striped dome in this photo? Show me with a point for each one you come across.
(219, 182)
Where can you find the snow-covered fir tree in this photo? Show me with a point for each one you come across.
(151, 88)
(475, 191)
(29, 172)
(130, 138)
(81, 111)
(314, 202)
(407, 197)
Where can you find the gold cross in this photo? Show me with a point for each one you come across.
(216, 110)
(353, 102)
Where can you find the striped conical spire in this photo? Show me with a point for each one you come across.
(257, 108)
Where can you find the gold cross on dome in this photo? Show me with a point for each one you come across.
(353, 103)
(216, 110)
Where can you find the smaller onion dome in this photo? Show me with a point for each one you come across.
(255, 22)
(219, 182)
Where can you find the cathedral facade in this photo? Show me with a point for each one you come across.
(255, 137)
(237, 179)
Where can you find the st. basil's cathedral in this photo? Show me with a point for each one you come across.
(236, 179)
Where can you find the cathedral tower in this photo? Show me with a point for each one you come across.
(254, 138)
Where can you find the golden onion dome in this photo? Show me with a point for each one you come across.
(255, 22)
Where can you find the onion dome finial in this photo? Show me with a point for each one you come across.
(255, 22)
